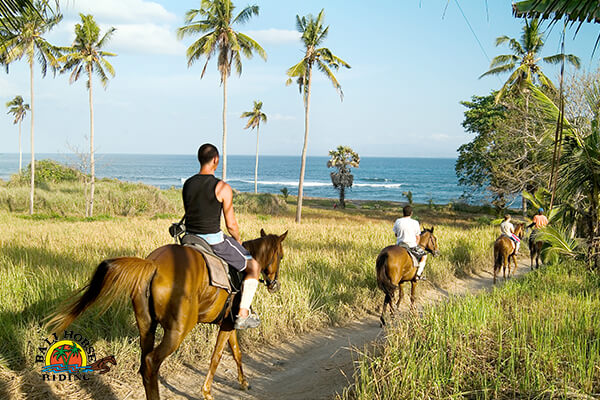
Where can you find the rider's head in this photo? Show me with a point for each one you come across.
(507, 217)
(540, 211)
(208, 155)
(407, 211)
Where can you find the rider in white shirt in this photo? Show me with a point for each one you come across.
(508, 229)
(408, 232)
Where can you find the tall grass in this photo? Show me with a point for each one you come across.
(536, 337)
(327, 274)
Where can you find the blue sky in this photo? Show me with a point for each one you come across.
(410, 69)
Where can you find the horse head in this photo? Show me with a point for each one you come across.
(268, 252)
(519, 230)
(429, 242)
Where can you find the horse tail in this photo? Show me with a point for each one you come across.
(383, 280)
(123, 275)
(497, 257)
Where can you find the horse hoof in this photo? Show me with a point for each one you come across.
(207, 396)
(244, 385)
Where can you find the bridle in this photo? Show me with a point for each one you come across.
(429, 243)
(271, 284)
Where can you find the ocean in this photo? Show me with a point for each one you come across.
(376, 178)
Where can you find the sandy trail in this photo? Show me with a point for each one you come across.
(314, 366)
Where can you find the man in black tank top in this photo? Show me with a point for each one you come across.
(205, 197)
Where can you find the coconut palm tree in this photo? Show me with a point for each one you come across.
(313, 35)
(18, 108)
(86, 55)
(343, 158)
(254, 119)
(26, 39)
(215, 20)
(523, 63)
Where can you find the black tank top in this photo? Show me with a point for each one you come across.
(202, 209)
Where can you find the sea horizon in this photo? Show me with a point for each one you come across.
(429, 179)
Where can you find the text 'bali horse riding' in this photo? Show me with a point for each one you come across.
(171, 288)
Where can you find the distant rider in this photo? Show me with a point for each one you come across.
(508, 229)
(408, 233)
(205, 197)
(539, 221)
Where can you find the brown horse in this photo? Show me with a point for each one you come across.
(395, 266)
(535, 249)
(504, 252)
(171, 288)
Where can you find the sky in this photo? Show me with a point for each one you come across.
(413, 61)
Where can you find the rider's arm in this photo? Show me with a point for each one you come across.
(530, 225)
(225, 195)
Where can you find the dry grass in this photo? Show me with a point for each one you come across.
(327, 276)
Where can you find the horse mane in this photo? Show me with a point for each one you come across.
(260, 247)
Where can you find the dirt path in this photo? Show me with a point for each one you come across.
(314, 366)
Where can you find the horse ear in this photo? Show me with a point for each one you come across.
(283, 236)
(262, 232)
(431, 230)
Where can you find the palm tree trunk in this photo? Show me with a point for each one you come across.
(224, 126)
(303, 165)
(20, 149)
(256, 167)
(343, 197)
(523, 199)
(31, 192)
(92, 163)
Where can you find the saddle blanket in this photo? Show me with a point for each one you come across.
(218, 270)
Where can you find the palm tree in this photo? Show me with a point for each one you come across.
(86, 56)
(254, 118)
(214, 20)
(524, 62)
(343, 158)
(524, 67)
(18, 108)
(26, 39)
(313, 34)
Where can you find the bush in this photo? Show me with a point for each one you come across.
(262, 203)
(48, 171)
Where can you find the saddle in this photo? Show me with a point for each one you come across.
(219, 273)
(416, 253)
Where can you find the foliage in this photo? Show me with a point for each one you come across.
(558, 242)
(285, 192)
(534, 337)
(215, 20)
(255, 117)
(18, 108)
(49, 171)
(25, 37)
(86, 54)
(343, 158)
(504, 158)
(523, 63)
(572, 10)
(409, 196)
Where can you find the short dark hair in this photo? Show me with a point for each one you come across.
(407, 211)
(206, 153)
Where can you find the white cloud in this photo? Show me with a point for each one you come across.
(146, 38)
(440, 136)
(274, 36)
(123, 10)
(281, 117)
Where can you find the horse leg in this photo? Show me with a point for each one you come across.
(385, 303)
(237, 356)
(504, 264)
(400, 295)
(171, 341)
(147, 327)
(515, 265)
(222, 340)
(413, 289)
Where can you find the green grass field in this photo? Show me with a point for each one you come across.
(327, 274)
(534, 338)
